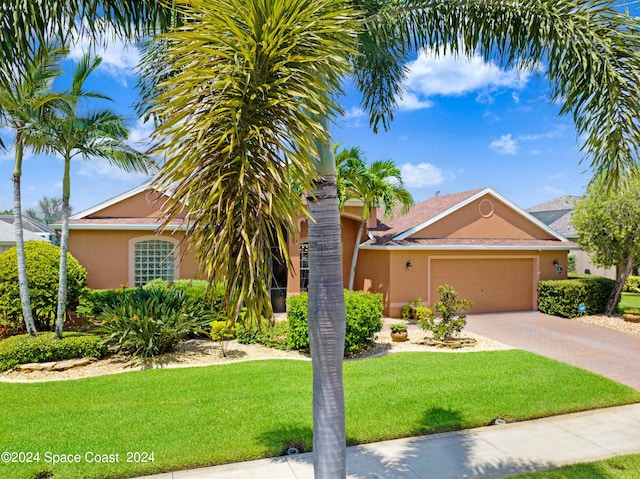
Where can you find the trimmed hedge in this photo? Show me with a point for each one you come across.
(276, 336)
(43, 265)
(364, 320)
(22, 349)
(564, 297)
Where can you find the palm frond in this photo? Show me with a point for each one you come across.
(237, 121)
(590, 50)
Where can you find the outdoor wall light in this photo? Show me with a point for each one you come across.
(558, 267)
(409, 264)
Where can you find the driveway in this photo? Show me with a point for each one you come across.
(604, 351)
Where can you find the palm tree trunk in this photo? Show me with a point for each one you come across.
(622, 273)
(327, 332)
(23, 283)
(354, 259)
(64, 247)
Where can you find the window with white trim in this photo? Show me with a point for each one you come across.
(304, 266)
(153, 259)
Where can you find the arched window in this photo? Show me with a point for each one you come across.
(151, 259)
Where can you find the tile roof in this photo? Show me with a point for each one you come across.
(556, 214)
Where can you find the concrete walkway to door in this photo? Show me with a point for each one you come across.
(610, 353)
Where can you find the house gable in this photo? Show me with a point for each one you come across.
(485, 217)
(146, 204)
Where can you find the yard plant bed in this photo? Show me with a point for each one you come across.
(194, 417)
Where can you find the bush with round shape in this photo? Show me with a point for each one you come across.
(364, 320)
(43, 265)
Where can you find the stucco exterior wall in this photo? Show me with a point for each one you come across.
(143, 205)
(484, 218)
(349, 227)
(404, 284)
(105, 255)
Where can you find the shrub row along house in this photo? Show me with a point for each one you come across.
(490, 250)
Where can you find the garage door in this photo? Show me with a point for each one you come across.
(495, 284)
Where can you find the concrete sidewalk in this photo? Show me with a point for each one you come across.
(487, 452)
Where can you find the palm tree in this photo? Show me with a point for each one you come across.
(49, 210)
(249, 86)
(100, 134)
(26, 102)
(378, 183)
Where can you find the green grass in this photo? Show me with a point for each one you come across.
(219, 414)
(622, 467)
(628, 300)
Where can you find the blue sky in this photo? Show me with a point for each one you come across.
(461, 125)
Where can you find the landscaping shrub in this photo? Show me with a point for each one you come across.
(274, 336)
(452, 313)
(146, 323)
(21, 349)
(43, 265)
(93, 302)
(632, 285)
(222, 331)
(564, 297)
(364, 320)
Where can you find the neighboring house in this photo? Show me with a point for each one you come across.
(8, 232)
(36, 227)
(556, 214)
(491, 251)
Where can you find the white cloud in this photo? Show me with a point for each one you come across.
(555, 133)
(118, 59)
(140, 135)
(101, 167)
(431, 75)
(516, 97)
(411, 101)
(354, 112)
(422, 174)
(505, 145)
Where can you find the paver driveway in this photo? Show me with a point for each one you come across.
(604, 351)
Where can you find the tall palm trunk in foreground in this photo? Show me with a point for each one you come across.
(23, 285)
(327, 322)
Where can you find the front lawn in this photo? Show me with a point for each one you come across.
(621, 467)
(628, 300)
(212, 415)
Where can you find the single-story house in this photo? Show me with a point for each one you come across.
(8, 232)
(490, 250)
(556, 214)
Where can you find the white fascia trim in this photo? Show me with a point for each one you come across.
(468, 247)
(111, 201)
(496, 195)
(126, 227)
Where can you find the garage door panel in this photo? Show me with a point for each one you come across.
(495, 284)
